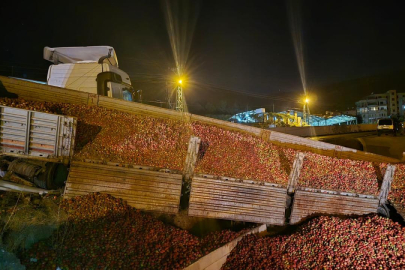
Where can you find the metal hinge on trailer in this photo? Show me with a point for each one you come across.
(32, 134)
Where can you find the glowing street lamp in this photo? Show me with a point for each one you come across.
(180, 81)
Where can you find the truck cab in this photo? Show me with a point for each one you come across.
(88, 69)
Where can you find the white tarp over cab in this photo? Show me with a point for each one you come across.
(66, 55)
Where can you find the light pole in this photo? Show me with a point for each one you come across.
(179, 97)
(305, 111)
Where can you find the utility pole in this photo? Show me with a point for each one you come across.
(139, 96)
(168, 98)
(179, 91)
(179, 97)
(305, 112)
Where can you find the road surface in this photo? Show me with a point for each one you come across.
(386, 145)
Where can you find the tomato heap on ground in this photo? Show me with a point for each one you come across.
(105, 233)
(369, 242)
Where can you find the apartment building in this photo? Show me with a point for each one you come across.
(377, 106)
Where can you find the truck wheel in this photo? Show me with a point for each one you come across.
(54, 176)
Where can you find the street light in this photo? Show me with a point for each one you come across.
(305, 111)
(179, 97)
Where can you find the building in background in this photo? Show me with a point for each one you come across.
(253, 116)
(329, 119)
(377, 106)
(291, 118)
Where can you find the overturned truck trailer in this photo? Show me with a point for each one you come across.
(218, 196)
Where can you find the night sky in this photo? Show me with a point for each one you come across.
(236, 45)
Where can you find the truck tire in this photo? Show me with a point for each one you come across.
(54, 176)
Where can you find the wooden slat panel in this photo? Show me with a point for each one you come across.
(307, 203)
(146, 190)
(235, 200)
(32, 134)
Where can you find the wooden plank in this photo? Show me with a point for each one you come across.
(235, 198)
(124, 189)
(328, 209)
(125, 196)
(215, 259)
(238, 185)
(275, 218)
(106, 174)
(234, 193)
(232, 183)
(54, 95)
(72, 188)
(307, 195)
(142, 184)
(117, 167)
(239, 217)
(111, 176)
(211, 209)
(191, 157)
(129, 198)
(386, 185)
(295, 172)
(255, 193)
(326, 206)
(204, 202)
